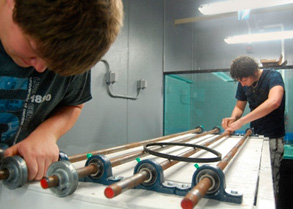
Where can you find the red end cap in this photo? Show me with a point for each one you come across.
(44, 183)
(186, 204)
(109, 193)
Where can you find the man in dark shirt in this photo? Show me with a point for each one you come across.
(264, 91)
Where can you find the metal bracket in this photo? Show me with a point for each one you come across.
(218, 189)
(112, 78)
(105, 175)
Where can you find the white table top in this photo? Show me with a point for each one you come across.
(250, 163)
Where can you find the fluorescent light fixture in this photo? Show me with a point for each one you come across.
(259, 37)
(238, 5)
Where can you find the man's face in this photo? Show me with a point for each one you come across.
(20, 47)
(246, 81)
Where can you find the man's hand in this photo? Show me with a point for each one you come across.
(227, 121)
(235, 125)
(38, 151)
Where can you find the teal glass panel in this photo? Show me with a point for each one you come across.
(177, 110)
(206, 98)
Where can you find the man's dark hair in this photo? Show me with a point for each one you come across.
(242, 67)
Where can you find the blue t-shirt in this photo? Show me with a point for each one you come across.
(28, 97)
(271, 125)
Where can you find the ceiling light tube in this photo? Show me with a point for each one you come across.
(259, 37)
(238, 5)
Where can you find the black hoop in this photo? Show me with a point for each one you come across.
(184, 159)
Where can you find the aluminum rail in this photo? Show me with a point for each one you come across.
(53, 181)
(83, 156)
(143, 175)
(202, 187)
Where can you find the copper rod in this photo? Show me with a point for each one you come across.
(194, 195)
(83, 156)
(4, 174)
(126, 184)
(118, 187)
(128, 157)
(53, 181)
(48, 182)
(168, 163)
(87, 170)
(201, 188)
(225, 161)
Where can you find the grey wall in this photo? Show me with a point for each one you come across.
(200, 46)
(178, 47)
(136, 54)
(148, 45)
(215, 53)
(202, 42)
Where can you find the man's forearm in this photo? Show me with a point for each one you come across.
(261, 111)
(236, 113)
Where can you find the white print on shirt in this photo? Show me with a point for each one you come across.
(31, 100)
(39, 99)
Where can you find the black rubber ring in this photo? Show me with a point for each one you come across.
(184, 159)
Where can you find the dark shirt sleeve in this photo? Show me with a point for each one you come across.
(276, 80)
(79, 90)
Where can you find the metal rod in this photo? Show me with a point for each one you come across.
(83, 156)
(87, 170)
(168, 163)
(225, 161)
(202, 187)
(123, 185)
(128, 157)
(48, 182)
(4, 174)
(53, 181)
